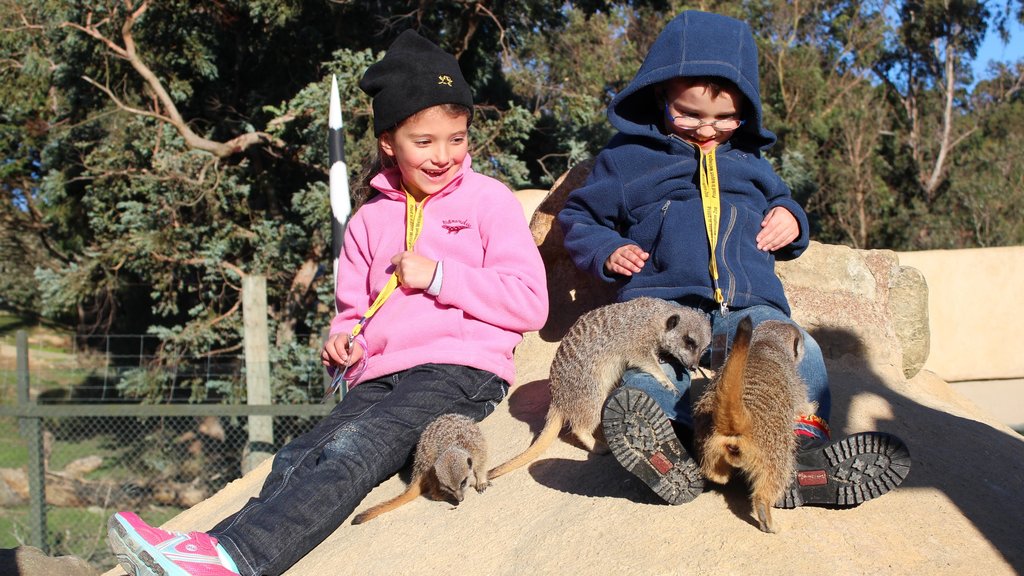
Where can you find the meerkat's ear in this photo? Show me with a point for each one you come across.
(798, 344)
(672, 322)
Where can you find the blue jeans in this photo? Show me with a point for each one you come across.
(318, 478)
(677, 404)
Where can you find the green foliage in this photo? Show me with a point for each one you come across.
(113, 219)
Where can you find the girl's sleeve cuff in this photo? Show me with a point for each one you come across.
(435, 284)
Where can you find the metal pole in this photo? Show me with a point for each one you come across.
(341, 202)
(32, 430)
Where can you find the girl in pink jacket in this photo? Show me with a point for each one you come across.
(438, 279)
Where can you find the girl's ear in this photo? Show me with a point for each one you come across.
(387, 145)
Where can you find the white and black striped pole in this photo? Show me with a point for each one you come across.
(341, 203)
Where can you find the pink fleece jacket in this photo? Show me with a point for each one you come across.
(494, 287)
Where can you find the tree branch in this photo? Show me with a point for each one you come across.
(171, 116)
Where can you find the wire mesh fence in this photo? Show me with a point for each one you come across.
(97, 462)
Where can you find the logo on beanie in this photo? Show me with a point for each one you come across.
(455, 226)
(444, 79)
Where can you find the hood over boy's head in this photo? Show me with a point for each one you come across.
(695, 44)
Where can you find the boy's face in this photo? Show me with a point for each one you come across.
(697, 101)
(429, 149)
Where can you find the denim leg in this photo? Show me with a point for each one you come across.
(811, 368)
(676, 403)
(319, 478)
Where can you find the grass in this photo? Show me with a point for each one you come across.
(80, 532)
(70, 531)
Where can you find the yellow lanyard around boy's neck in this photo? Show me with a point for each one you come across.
(413, 226)
(709, 196)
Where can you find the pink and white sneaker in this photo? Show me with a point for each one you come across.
(143, 550)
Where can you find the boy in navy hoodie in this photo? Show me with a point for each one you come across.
(686, 167)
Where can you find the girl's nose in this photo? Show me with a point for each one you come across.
(441, 156)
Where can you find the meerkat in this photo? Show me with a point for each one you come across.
(594, 354)
(744, 418)
(451, 455)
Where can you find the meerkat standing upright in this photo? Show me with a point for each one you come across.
(451, 454)
(744, 418)
(597, 350)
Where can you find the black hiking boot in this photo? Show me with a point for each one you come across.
(641, 438)
(846, 472)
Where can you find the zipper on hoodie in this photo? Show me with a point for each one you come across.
(731, 292)
(657, 237)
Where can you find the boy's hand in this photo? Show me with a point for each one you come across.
(414, 271)
(778, 229)
(337, 353)
(626, 260)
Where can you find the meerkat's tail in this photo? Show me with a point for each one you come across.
(411, 493)
(731, 416)
(552, 426)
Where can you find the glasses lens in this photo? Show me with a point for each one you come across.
(691, 123)
(688, 122)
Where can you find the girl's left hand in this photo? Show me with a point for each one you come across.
(778, 229)
(414, 271)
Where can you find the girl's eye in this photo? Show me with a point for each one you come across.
(422, 142)
(458, 140)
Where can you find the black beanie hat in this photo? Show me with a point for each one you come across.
(413, 75)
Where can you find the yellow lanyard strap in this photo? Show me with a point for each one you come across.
(413, 226)
(709, 196)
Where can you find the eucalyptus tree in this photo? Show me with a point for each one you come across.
(926, 73)
(180, 147)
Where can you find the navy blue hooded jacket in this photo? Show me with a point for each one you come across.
(644, 188)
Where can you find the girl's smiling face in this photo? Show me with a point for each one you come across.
(429, 148)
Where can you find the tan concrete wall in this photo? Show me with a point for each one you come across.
(976, 311)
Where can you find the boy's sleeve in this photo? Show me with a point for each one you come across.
(591, 217)
(510, 289)
(778, 194)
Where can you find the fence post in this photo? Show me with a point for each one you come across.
(32, 430)
(257, 368)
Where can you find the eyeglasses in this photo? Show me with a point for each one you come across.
(690, 123)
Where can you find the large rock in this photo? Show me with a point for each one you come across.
(957, 513)
(31, 561)
(860, 303)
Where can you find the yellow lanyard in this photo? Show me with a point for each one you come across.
(413, 226)
(709, 196)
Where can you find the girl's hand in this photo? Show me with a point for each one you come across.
(626, 260)
(337, 353)
(778, 229)
(414, 271)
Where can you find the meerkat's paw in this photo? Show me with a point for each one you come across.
(764, 516)
(641, 438)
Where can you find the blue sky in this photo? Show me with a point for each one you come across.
(994, 49)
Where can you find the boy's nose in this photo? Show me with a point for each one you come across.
(707, 131)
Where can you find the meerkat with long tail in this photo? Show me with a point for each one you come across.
(744, 418)
(593, 356)
(451, 455)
